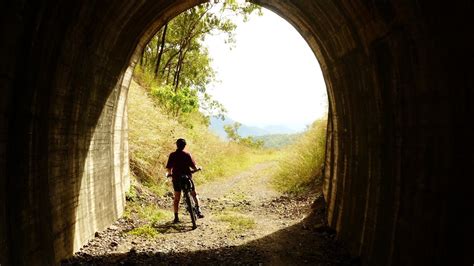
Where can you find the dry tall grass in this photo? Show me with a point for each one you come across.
(151, 139)
(300, 167)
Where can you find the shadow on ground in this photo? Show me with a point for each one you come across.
(171, 228)
(309, 242)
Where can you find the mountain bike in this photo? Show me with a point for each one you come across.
(186, 188)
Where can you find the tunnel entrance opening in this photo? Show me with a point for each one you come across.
(238, 210)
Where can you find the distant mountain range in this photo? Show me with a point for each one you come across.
(217, 126)
(278, 140)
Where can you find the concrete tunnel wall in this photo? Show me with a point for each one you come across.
(397, 179)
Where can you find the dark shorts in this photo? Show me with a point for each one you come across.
(177, 184)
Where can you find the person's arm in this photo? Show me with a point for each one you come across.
(196, 168)
(193, 165)
(169, 165)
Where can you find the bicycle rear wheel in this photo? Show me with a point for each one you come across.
(190, 208)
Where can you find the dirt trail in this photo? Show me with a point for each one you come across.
(246, 222)
(254, 184)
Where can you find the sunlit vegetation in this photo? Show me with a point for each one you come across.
(175, 66)
(144, 211)
(233, 136)
(237, 222)
(168, 99)
(146, 231)
(172, 102)
(301, 164)
(237, 196)
(151, 139)
(277, 141)
(152, 135)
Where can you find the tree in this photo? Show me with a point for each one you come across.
(178, 61)
(232, 132)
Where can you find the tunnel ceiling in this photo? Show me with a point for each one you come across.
(396, 174)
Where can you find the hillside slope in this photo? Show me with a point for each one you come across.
(152, 135)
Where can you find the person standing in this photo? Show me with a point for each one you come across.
(180, 162)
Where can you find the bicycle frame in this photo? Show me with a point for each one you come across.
(185, 183)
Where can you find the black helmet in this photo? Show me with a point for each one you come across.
(180, 143)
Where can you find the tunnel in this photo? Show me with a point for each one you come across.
(398, 169)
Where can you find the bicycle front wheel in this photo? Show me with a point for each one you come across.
(190, 207)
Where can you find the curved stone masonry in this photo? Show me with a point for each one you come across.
(397, 179)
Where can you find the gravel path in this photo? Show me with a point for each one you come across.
(246, 223)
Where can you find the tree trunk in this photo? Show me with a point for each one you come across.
(168, 75)
(161, 49)
(178, 70)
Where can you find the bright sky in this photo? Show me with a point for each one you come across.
(270, 77)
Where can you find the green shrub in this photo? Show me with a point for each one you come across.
(176, 103)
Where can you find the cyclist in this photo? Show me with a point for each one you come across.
(180, 163)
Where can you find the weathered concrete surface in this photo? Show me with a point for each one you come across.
(67, 160)
(398, 177)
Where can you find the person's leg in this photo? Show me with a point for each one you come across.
(177, 197)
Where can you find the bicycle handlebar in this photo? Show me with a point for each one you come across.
(197, 170)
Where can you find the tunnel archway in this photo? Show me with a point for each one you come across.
(395, 132)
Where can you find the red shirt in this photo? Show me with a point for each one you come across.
(180, 163)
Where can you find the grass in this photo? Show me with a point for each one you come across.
(151, 139)
(237, 196)
(300, 167)
(232, 159)
(155, 215)
(146, 231)
(149, 215)
(237, 222)
(158, 188)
